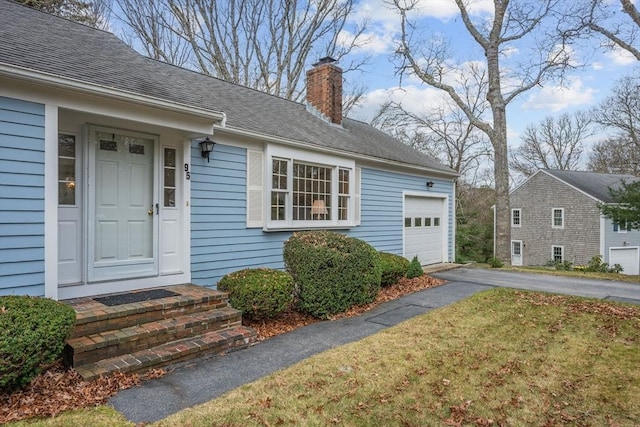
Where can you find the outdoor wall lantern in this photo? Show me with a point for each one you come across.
(429, 184)
(206, 147)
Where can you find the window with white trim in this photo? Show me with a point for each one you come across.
(308, 190)
(557, 253)
(557, 218)
(516, 215)
(621, 227)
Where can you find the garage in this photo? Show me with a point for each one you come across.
(425, 229)
(627, 257)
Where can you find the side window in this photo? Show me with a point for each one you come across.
(66, 170)
(557, 253)
(516, 215)
(557, 218)
(169, 178)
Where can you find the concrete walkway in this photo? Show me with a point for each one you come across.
(204, 379)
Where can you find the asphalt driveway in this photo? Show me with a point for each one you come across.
(592, 288)
(204, 379)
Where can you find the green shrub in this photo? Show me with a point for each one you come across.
(32, 335)
(596, 265)
(259, 293)
(561, 265)
(495, 262)
(414, 269)
(617, 268)
(331, 272)
(393, 268)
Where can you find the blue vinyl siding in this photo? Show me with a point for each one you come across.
(21, 197)
(221, 243)
(381, 207)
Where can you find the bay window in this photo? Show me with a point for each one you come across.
(310, 190)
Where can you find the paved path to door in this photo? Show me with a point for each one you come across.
(204, 379)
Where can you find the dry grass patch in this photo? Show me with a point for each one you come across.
(502, 357)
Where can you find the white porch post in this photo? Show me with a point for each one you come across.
(51, 201)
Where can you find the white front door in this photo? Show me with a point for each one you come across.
(516, 252)
(122, 205)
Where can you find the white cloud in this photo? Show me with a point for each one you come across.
(620, 56)
(383, 19)
(557, 98)
(413, 98)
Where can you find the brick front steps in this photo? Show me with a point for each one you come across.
(149, 334)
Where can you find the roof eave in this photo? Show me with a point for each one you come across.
(9, 70)
(299, 144)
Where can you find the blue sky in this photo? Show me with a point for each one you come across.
(584, 87)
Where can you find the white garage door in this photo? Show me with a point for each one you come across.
(424, 228)
(628, 258)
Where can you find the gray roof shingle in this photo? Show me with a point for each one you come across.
(594, 184)
(48, 44)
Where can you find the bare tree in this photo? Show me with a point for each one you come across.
(531, 23)
(621, 31)
(615, 155)
(94, 13)
(444, 133)
(555, 143)
(263, 44)
(621, 110)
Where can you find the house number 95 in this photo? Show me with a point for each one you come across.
(187, 174)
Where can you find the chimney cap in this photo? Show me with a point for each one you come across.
(325, 60)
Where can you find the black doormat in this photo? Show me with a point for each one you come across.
(120, 299)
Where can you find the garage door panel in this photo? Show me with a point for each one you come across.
(423, 233)
(628, 258)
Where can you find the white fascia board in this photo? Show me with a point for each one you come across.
(333, 151)
(218, 117)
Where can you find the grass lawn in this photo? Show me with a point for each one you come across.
(501, 357)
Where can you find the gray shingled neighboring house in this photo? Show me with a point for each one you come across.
(104, 187)
(555, 217)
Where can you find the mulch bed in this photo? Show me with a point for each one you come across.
(57, 390)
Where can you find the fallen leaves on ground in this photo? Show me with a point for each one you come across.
(57, 389)
(291, 319)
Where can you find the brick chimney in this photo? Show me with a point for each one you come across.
(324, 89)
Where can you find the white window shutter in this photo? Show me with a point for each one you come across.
(255, 201)
(356, 198)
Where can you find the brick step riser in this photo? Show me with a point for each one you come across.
(163, 358)
(151, 339)
(133, 319)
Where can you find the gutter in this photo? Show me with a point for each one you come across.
(218, 117)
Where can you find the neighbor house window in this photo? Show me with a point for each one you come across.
(515, 217)
(310, 191)
(557, 253)
(557, 220)
(622, 227)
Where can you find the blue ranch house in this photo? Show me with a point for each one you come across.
(119, 172)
